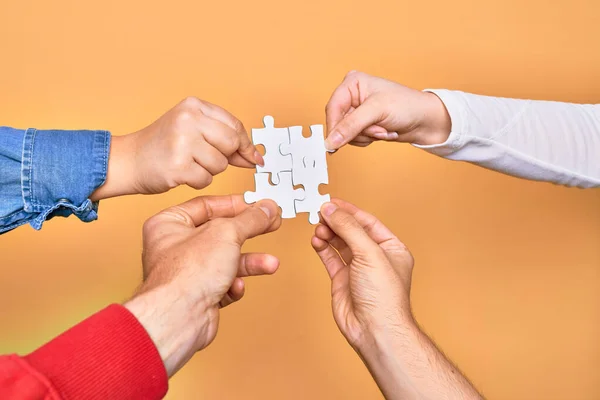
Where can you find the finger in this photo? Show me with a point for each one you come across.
(197, 211)
(261, 217)
(252, 264)
(369, 223)
(245, 147)
(375, 131)
(197, 177)
(221, 136)
(237, 160)
(210, 158)
(329, 257)
(342, 101)
(362, 139)
(351, 125)
(359, 144)
(348, 229)
(323, 232)
(235, 293)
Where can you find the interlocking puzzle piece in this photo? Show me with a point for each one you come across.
(307, 153)
(272, 138)
(309, 168)
(283, 193)
(309, 162)
(312, 202)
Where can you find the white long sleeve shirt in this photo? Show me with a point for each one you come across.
(538, 140)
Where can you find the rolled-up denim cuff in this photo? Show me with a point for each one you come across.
(60, 170)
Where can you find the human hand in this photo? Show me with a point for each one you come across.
(366, 108)
(188, 145)
(193, 266)
(370, 271)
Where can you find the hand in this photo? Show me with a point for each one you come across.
(193, 266)
(370, 271)
(365, 108)
(188, 145)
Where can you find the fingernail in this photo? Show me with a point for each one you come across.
(334, 140)
(259, 159)
(392, 136)
(266, 210)
(328, 209)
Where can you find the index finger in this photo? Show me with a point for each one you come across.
(339, 103)
(246, 149)
(371, 225)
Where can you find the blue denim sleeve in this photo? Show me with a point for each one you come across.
(48, 173)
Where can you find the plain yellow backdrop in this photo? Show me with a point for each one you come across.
(507, 277)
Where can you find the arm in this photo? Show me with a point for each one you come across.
(375, 314)
(538, 140)
(47, 173)
(192, 269)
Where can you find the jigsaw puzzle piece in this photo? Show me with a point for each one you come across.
(308, 154)
(312, 202)
(272, 138)
(283, 193)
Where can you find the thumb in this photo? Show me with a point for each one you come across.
(257, 219)
(348, 229)
(365, 115)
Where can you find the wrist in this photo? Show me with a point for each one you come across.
(120, 177)
(390, 357)
(436, 125)
(175, 325)
(381, 340)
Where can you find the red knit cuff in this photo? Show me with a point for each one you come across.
(107, 356)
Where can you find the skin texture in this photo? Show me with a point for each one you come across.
(365, 108)
(193, 266)
(188, 145)
(370, 271)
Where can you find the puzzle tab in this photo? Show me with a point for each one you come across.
(292, 160)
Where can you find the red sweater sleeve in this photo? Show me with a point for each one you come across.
(107, 356)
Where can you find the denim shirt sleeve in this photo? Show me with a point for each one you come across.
(48, 173)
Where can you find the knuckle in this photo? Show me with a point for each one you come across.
(179, 214)
(179, 161)
(205, 180)
(150, 226)
(184, 117)
(238, 125)
(191, 102)
(221, 164)
(234, 142)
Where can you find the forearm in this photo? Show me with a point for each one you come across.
(408, 365)
(537, 140)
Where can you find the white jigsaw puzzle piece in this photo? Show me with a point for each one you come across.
(307, 153)
(272, 138)
(312, 202)
(283, 193)
(309, 168)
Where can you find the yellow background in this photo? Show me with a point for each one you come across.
(507, 277)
